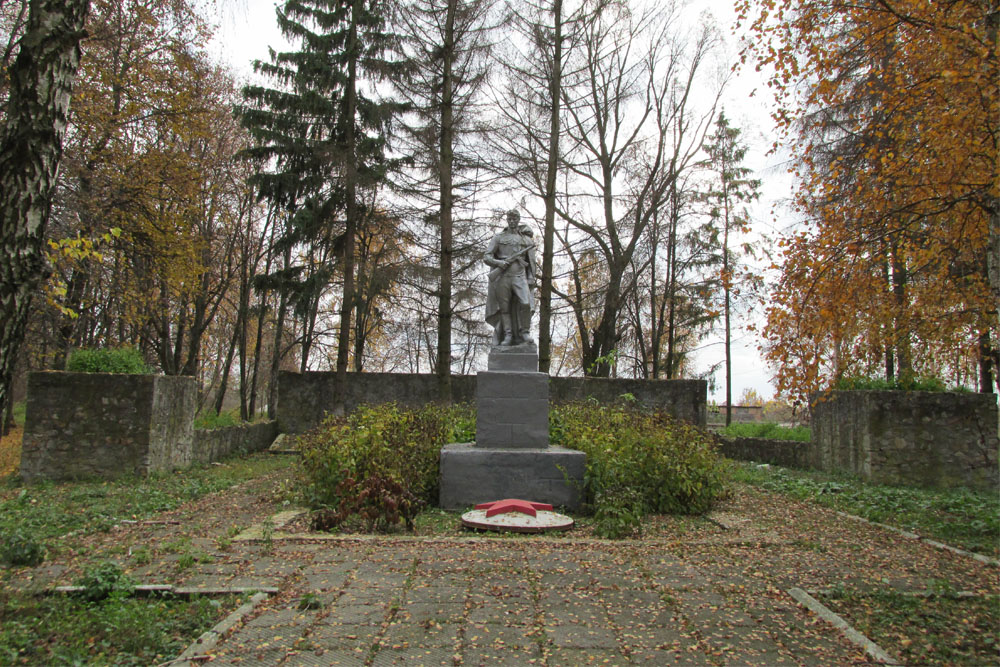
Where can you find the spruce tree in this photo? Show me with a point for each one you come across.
(322, 137)
(731, 189)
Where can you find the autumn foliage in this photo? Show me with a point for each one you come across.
(890, 110)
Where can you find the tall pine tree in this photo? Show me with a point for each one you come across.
(731, 190)
(322, 136)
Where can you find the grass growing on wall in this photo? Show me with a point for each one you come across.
(209, 419)
(959, 517)
(767, 430)
(108, 360)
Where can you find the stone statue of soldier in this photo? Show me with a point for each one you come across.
(510, 302)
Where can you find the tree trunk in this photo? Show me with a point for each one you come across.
(985, 364)
(41, 82)
(276, 353)
(220, 396)
(545, 296)
(8, 418)
(446, 157)
(901, 333)
(351, 193)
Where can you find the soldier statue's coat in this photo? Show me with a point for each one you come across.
(510, 285)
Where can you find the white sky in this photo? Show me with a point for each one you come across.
(247, 28)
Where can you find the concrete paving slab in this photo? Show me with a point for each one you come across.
(500, 636)
(324, 581)
(419, 657)
(326, 658)
(357, 614)
(279, 617)
(429, 594)
(356, 638)
(667, 656)
(252, 658)
(507, 612)
(581, 636)
(482, 656)
(572, 657)
(423, 635)
(485, 604)
(322, 658)
(430, 612)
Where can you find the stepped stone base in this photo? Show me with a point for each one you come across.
(513, 409)
(471, 474)
(522, 357)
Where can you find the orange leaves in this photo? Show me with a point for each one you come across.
(894, 127)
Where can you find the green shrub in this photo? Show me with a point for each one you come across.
(639, 462)
(103, 581)
(862, 383)
(379, 465)
(768, 430)
(108, 360)
(19, 548)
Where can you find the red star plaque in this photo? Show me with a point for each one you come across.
(513, 505)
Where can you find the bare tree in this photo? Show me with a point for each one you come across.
(633, 129)
(449, 42)
(529, 106)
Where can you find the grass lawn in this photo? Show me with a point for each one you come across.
(46, 511)
(119, 630)
(942, 629)
(959, 517)
(110, 628)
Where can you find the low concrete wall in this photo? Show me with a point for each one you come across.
(82, 425)
(908, 437)
(684, 399)
(787, 453)
(304, 398)
(218, 443)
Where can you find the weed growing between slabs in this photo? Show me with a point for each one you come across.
(38, 514)
(959, 517)
(940, 629)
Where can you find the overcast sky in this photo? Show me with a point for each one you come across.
(247, 28)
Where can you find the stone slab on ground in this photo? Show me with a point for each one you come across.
(472, 474)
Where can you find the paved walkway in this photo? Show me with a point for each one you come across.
(512, 602)
(697, 592)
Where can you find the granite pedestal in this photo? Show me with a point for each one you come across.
(511, 457)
